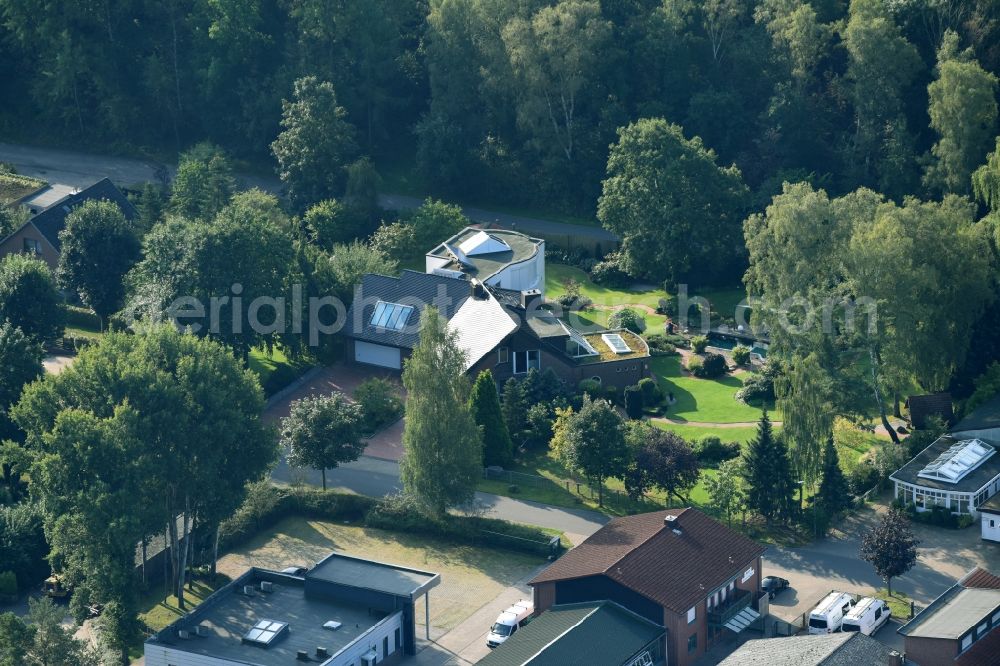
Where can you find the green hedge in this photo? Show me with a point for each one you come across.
(267, 504)
(8, 587)
(77, 317)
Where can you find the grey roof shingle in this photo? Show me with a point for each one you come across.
(842, 649)
(577, 635)
(53, 220)
(984, 417)
(410, 288)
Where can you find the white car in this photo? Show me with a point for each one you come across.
(509, 621)
(868, 616)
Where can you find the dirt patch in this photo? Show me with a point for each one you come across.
(470, 576)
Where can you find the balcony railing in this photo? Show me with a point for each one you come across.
(734, 603)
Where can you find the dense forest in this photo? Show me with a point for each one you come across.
(519, 100)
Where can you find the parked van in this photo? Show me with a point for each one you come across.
(509, 621)
(867, 616)
(828, 615)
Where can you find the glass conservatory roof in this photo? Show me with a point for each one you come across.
(958, 460)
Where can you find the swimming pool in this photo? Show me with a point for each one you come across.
(722, 341)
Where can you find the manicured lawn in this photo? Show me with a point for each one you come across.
(703, 400)
(470, 576)
(692, 433)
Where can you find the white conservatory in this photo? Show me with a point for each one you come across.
(958, 474)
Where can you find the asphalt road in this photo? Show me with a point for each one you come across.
(80, 169)
(377, 478)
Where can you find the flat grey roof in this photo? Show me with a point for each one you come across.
(366, 574)
(970, 483)
(953, 613)
(229, 614)
(484, 266)
(49, 195)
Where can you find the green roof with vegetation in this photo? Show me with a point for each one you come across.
(14, 187)
(576, 634)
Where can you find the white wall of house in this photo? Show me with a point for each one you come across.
(959, 503)
(161, 655)
(524, 275)
(991, 526)
(431, 262)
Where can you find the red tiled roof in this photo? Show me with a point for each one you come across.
(648, 557)
(981, 579)
(983, 651)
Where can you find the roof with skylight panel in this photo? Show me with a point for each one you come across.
(960, 459)
(954, 464)
(483, 254)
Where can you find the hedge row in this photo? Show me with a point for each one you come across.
(267, 504)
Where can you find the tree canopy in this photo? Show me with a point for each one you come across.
(29, 298)
(322, 432)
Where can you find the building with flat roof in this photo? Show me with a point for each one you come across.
(954, 472)
(962, 626)
(581, 635)
(497, 258)
(345, 611)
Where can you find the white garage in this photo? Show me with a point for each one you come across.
(380, 355)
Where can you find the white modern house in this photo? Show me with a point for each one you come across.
(989, 513)
(959, 471)
(497, 258)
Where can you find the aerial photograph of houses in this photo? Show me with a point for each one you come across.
(513, 333)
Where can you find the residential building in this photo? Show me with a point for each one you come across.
(989, 518)
(40, 234)
(982, 422)
(583, 634)
(923, 407)
(505, 331)
(677, 568)
(839, 649)
(345, 611)
(497, 258)
(959, 628)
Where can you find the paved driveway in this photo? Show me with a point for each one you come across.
(943, 556)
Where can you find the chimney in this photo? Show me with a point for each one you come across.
(672, 522)
(894, 658)
(530, 299)
(478, 290)
(302, 655)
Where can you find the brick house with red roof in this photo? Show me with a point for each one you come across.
(677, 567)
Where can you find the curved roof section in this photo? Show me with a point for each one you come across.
(479, 253)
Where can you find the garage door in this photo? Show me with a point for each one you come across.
(372, 354)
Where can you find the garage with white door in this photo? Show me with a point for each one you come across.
(380, 355)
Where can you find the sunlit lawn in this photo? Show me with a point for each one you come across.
(703, 400)
(742, 434)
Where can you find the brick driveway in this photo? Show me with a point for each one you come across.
(387, 444)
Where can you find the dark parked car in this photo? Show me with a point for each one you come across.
(772, 585)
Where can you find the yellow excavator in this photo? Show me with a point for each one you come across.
(57, 587)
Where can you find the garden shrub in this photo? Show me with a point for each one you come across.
(380, 403)
(611, 393)
(939, 516)
(8, 587)
(282, 376)
(711, 450)
(629, 319)
(660, 346)
(652, 395)
(741, 354)
(23, 548)
(609, 272)
(695, 365)
(591, 387)
(698, 344)
(759, 387)
(633, 402)
(711, 366)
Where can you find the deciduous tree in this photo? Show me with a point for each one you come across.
(204, 183)
(659, 459)
(315, 144)
(726, 488)
(322, 432)
(442, 447)
(678, 213)
(890, 546)
(592, 442)
(21, 363)
(29, 298)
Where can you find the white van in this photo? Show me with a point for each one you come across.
(828, 615)
(509, 621)
(867, 616)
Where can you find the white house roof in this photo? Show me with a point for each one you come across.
(958, 460)
(481, 324)
(483, 243)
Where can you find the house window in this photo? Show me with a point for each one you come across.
(981, 629)
(692, 643)
(503, 355)
(993, 523)
(399, 642)
(691, 615)
(966, 641)
(32, 246)
(385, 647)
(526, 360)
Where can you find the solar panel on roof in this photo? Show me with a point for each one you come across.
(616, 342)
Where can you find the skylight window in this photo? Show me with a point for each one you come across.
(616, 342)
(265, 632)
(392, 316)
(483, 243)
(583, 348)
(960, 459)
